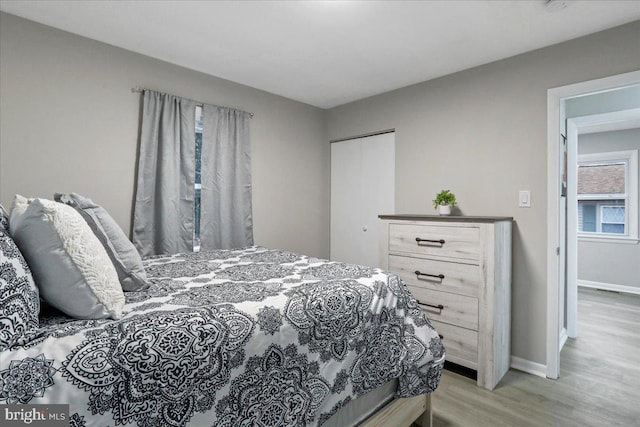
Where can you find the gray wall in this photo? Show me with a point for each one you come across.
(69, 122)
(609, 262)
(482, 133)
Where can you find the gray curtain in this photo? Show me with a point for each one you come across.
(163, 211)
(225, 220)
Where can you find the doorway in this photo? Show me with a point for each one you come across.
(561, 251)
(602, 203)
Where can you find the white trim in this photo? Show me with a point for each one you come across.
(607, 238)
(571, 253)
(554, 105)
(610, 287)
(553, 231)
(563, 338)
(610, 196)
(605, 157)
(533, 368)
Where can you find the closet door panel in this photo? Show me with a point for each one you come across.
(345, 200)
(362, 187)
(377, 190)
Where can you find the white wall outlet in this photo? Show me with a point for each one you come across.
(524, 199)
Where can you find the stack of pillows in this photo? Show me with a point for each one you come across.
(68, 252)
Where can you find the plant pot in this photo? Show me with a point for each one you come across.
(444, 210)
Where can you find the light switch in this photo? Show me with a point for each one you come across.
(524, 199)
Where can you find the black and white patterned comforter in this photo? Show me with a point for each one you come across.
(231, 338)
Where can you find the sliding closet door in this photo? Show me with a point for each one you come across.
(362, 187)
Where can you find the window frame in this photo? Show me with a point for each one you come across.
(630, 196)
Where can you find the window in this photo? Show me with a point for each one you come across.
(613, 219)
(607, 195)
(198, 181)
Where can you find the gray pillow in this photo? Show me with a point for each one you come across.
(121, 251)
(70, 267)
(19, 300)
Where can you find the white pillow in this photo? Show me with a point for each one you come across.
(69, 264)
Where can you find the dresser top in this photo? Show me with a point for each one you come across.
(447, 218)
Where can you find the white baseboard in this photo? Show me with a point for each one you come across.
(609, 287)
(533, 368)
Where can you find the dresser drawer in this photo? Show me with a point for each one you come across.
(459, 278)
(460, 344)
(456, 309)
(438, 240)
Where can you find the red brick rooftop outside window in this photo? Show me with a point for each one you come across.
(601, 179)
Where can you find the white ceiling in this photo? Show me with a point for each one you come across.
(327, 53)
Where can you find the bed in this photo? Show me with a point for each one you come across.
(244, 337)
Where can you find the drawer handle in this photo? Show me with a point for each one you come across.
(419, 240)
(437, 276)
(439, 306)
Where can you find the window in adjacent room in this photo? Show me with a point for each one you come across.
(198, 181)
(607, 195)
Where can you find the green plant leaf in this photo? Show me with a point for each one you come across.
(445, 197)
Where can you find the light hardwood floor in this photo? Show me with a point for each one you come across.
(599, 381)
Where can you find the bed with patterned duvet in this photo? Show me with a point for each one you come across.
(243, 337)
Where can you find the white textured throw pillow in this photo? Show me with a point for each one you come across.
(69, 264)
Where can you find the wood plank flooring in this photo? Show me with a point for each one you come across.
(599, 382)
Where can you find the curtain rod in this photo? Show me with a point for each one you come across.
(364, 135)
(138, 89)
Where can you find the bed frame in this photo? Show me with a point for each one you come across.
(403, 412)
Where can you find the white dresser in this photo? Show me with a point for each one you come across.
(459, 270)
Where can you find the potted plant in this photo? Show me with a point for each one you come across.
(444, 201)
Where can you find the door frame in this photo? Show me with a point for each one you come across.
(556, 241)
